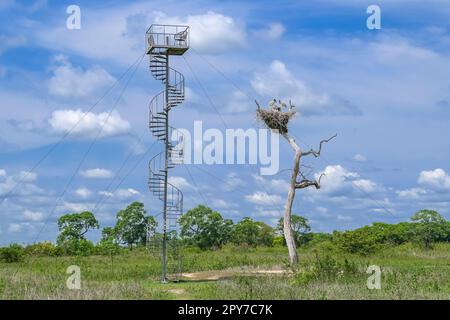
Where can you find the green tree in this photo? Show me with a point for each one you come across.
(430, 227)
(252, 233)
(132, 225)
(74, 226)
(13, 253)
(108, 234)
(205, 228)
(300, 227)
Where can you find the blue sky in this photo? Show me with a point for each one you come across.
(386, 93)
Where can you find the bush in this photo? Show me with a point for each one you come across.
(13, 253)
(360, 241)
(107, 248)
(325, 267)
(76, 247)
(278, 241)
(46, 249)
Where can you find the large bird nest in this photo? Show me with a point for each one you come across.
(275, 119)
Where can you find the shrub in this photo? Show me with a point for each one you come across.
(41, 249)
(360, 241)
(325, 267)
(318, 238)
(13, 253)
(107, 248)
(76, 247)
(278, 241)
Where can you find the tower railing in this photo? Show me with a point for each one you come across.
(175, 38)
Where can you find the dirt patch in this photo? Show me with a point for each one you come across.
(177, 291)
(215, 275)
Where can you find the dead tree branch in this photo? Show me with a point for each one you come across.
(305, 183)
(317, 153)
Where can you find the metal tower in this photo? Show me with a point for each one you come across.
(164, 41)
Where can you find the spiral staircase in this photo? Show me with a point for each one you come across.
(159, 109)
(163, 42)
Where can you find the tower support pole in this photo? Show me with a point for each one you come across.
(166, 168)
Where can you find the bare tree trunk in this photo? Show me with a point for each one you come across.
(277, 120)
(288, 232)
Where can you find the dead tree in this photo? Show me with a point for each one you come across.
(276, 117)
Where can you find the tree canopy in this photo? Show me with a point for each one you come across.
(252, 233)
(132, 225)
(300, 227)
(75, 225)
(205, 228)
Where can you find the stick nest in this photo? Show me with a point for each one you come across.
(275, 119)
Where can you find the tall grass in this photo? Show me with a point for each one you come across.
(408, 272)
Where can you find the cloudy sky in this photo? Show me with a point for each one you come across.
(386, 93)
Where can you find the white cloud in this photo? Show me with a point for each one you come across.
(232, 182)
(97, 173)
(2, 173)
(279, 184)
(99, 38)
(279, 82)
(340, 182)
(366, 185)
(106, 194)
(238, 102)
(127, 193)
(33, 216)
(120, 194)
(262, 198)
(222, 204)
(14, 227)
(71, 82)
(210, 32)
(273, 31)
(436, 179)
(395, 49)
(88, 124)
(83, 193)
(344, 217)
(359, 158)
(27, 176)
(10, 186)
(179, 182)
(336, 179)
(410, 194)
(322, 209)
(275, 185)
(76, 207)
(269, 213)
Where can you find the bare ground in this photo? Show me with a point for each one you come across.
(215, 275)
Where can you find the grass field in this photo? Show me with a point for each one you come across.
(408, 272)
